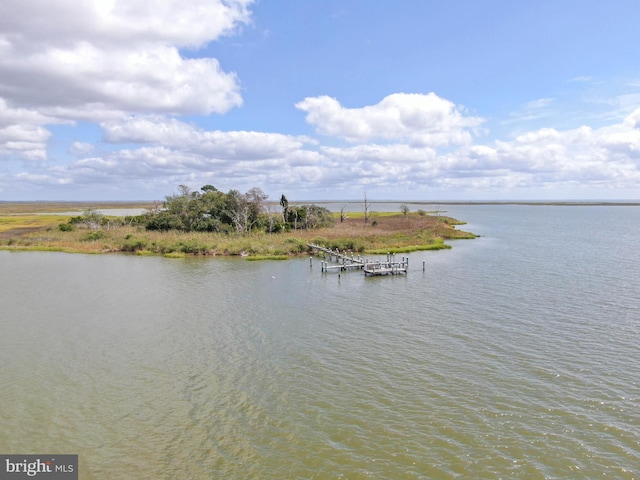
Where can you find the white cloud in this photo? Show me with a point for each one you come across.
(22, 134)
(538, 103)
(80, 149)
(532, 110)
(174, 152)
(171, 152)
(121, 22)
(85, 82)
(425, 120)
(233, 145)
(42, 179)
(63, 61)
(608, 156)
(98, 59)
(134, 67)
(633, 120)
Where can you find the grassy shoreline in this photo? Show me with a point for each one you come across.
(385, 232)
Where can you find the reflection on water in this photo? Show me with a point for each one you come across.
(512, 355)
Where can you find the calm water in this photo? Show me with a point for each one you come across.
(515, 355)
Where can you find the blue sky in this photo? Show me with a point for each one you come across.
(320, 99)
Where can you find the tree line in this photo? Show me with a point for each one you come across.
(210, 210)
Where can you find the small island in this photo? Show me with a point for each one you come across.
(210, 222)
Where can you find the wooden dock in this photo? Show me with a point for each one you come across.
(386, 268)
(370, 267)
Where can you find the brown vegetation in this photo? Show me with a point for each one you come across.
(384, 232)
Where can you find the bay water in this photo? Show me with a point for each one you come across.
(514, 355)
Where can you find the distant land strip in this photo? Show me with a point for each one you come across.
(52, 206)
(577, 203)
(44, 206)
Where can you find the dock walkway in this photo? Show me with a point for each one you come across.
(370, 267)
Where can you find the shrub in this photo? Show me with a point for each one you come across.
(350, 245)
(296, 245)
(191, 246)
(132, 244)
(319, 241)
(66, 227)
(93, 236)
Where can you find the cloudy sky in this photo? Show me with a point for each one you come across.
(320, 99)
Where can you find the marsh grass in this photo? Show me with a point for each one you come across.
(438, 244)
(145, 253)
(175, 255)
(22, 222)
(393, 233)
(255, 258)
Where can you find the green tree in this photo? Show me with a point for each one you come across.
(309, 216)
(210, 210)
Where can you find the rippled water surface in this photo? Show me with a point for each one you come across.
(515, 355)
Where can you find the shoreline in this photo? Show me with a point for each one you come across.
(391, 232)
